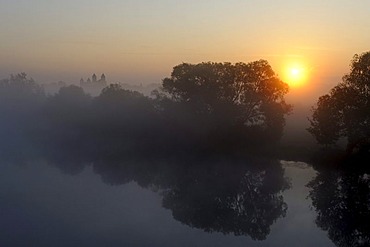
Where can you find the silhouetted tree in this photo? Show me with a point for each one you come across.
(68, 107)
(102, 78)
(21, 101)
(118, 106)
(66, 118)
(94, 78)
(225, 101)
(20, 94)
(325, 123)
(122, 117)
(345, 111)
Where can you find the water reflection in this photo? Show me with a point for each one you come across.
(341, 198)
(216, 196)
(240, 196)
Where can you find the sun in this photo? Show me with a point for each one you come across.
(295, 75)
(294, 72)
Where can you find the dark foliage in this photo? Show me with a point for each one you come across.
(21, 100)
(224, 105)
(165, 144)
(345, 111)
(122, 120)
(202, 108)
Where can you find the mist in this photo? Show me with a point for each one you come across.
(216, 150)
(184, 123)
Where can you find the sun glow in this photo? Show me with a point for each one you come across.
(295, 75)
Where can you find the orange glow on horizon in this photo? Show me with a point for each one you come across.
(295, 74)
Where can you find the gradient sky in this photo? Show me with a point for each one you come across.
(139, 41)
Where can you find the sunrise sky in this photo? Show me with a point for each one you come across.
(139, 41)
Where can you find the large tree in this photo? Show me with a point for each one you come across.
(345, 111)
(220, 97)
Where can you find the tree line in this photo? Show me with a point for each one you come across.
(344, 113)
(205, 107)
(201, 108)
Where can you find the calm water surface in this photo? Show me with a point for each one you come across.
(43, 205)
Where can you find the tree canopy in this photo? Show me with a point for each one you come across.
(19, 93)
(223, 96)
(345, 111)
(213, 107)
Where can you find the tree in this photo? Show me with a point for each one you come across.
(118, 106)
(68, 107)
(20, 95)
(122, 119)
(218, 97)
(65, 119)
(345, 111)
(21, 101)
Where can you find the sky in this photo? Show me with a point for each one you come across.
(140, 41)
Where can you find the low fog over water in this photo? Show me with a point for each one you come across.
(214, 155)
(184, 123)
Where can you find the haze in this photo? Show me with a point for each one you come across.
(140, 41)
(184, 123)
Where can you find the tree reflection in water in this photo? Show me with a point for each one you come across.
(240, 196)
(217, 196)
(342, 201)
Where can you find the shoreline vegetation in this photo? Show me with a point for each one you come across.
(209, 142)
(201, 109)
